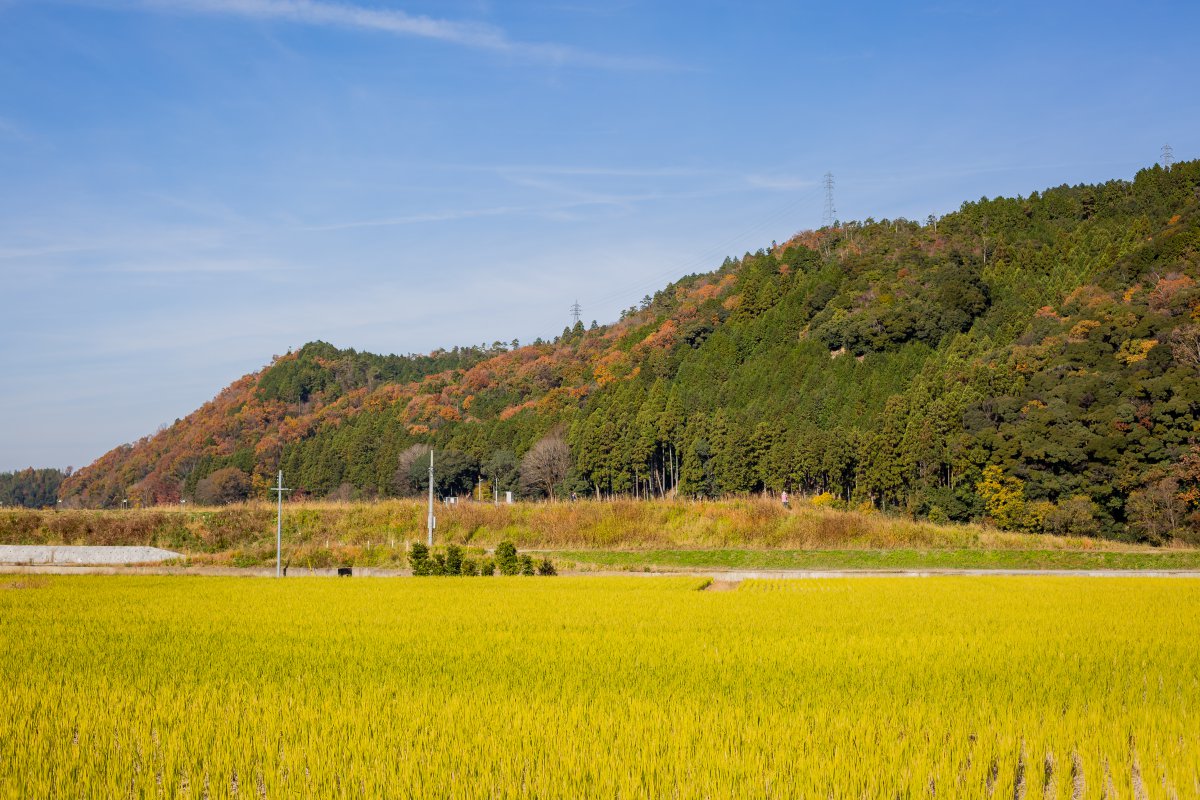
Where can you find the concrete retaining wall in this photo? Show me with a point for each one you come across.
(72, 554)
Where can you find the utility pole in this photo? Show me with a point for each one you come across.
(830, 212)
(432, 522)
(576, 312)
(279, 490)
(1168, 157)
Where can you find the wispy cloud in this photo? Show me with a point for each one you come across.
(559, 211)
(48, 243)
(616, 172)
(417, 219)
(779, 182)
(565, 197)
(14, 253)
(474, 35)
(756, 180)
(200, 266)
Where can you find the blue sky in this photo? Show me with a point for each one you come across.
(189, 187)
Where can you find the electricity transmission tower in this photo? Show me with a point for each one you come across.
(830, 212)
(576, 312)
(1168, 156)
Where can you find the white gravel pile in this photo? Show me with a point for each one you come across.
(83, 555)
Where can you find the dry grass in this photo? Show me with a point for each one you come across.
(25, 583)
(586, 524)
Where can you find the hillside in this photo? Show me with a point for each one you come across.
(1033, 360)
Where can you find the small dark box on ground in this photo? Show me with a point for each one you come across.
(345, 572)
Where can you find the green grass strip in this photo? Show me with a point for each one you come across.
(881, 559)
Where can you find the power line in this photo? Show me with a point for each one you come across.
(576, 311)
(1168, 156)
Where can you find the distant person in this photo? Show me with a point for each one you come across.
(574, 497)
(783, 498)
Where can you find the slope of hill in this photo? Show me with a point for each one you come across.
(1035, 360)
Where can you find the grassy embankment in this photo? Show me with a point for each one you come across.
(745, 533)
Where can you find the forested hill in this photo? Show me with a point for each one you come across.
(1034, 360)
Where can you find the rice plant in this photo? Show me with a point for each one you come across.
(586, 687)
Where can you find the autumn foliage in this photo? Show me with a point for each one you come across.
(1028, 360)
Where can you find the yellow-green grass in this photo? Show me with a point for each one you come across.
(618, 688)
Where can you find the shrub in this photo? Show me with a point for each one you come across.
(469, 567)
(1073, 516)
(418, 558)
(454, 559)
(526, 562)
(488, 567)
(506, 558)
(243, 559)
(546, 567)
(1035, 516)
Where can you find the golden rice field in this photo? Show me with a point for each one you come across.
(1003, 687)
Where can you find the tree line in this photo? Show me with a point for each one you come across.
(31, 488)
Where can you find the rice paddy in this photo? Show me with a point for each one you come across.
(1012, 687)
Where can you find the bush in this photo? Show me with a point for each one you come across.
(454, 559)
(1073, 516)
(506, 558)
(1035, 516)
(823, 500)
(546, 568)
(418, 558)
(454, 562)
(526, 562)
(243, 559)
